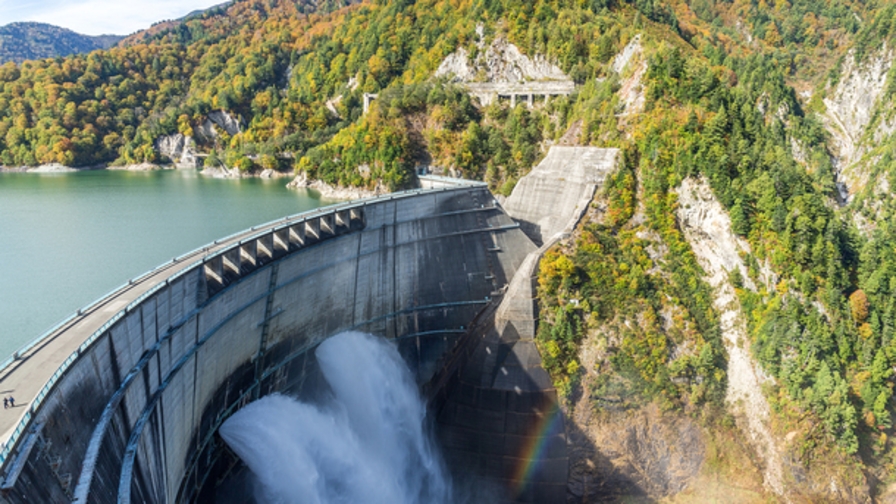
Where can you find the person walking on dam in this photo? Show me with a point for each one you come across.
(12, 402)
(5, 403)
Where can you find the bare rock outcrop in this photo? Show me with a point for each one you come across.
(206, 131)
(625, 56)
(227, 122)
(222, 172)
(51, 168)
(849, 110)
(501, 62)
(707, 227)
(137, 167)
(631, 89)
(331, 192)
(624, 454)
(180, 149)
(501, 69)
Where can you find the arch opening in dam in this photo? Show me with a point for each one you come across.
(137, 384)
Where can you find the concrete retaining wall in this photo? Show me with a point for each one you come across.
(133, 416)
(498, 415)
(559, 189)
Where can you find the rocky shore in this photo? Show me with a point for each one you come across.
(301, 181)
(234, 173)
(47, 168)
(332, 192)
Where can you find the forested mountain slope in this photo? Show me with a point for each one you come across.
(28, 41)
(734, 125)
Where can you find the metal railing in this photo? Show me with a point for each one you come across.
(276, 225)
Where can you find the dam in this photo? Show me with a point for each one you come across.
(122, 402)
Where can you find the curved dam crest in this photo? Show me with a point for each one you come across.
(145, 378)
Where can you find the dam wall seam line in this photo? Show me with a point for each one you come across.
(269, 226)
(416, 309)
(186, 279)
(82, 490)
(126, 475)
(266, 322)
(13, 441)
(156, 347)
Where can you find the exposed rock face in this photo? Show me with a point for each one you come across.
(458, 66)
(222, 172)
(136, 167)
(332, 103)
(205, 132)
(225, 121)
(631, 91)
(51, 168)
(621, 60)
(179, 149)
(330, 192)
(850, 108)
(501, 62)
(625, 454)
(707, 227)
(501, 70)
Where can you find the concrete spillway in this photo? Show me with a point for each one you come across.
(559, 189)
(122, 402)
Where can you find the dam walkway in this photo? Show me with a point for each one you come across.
(30, 373)
(122, 401)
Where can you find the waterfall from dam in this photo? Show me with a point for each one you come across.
(368, 444)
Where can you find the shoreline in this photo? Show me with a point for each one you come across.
(336, 193)
(145, 167)
(301, 181)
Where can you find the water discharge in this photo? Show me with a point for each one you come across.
(368, 444)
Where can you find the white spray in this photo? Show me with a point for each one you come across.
(369, 445)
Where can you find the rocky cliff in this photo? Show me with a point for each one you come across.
(180, 150)
(498, 62)
(851, 108)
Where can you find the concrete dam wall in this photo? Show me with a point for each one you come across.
(123, 401)
(498, 414)
(132, 413)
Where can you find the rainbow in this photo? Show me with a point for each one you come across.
(547, 426)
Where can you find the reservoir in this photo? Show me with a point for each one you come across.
(67, 239)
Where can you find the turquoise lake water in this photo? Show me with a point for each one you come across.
(66, 239)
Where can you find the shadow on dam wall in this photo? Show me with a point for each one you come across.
(133, 417)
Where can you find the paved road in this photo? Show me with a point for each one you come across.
(26, 376)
